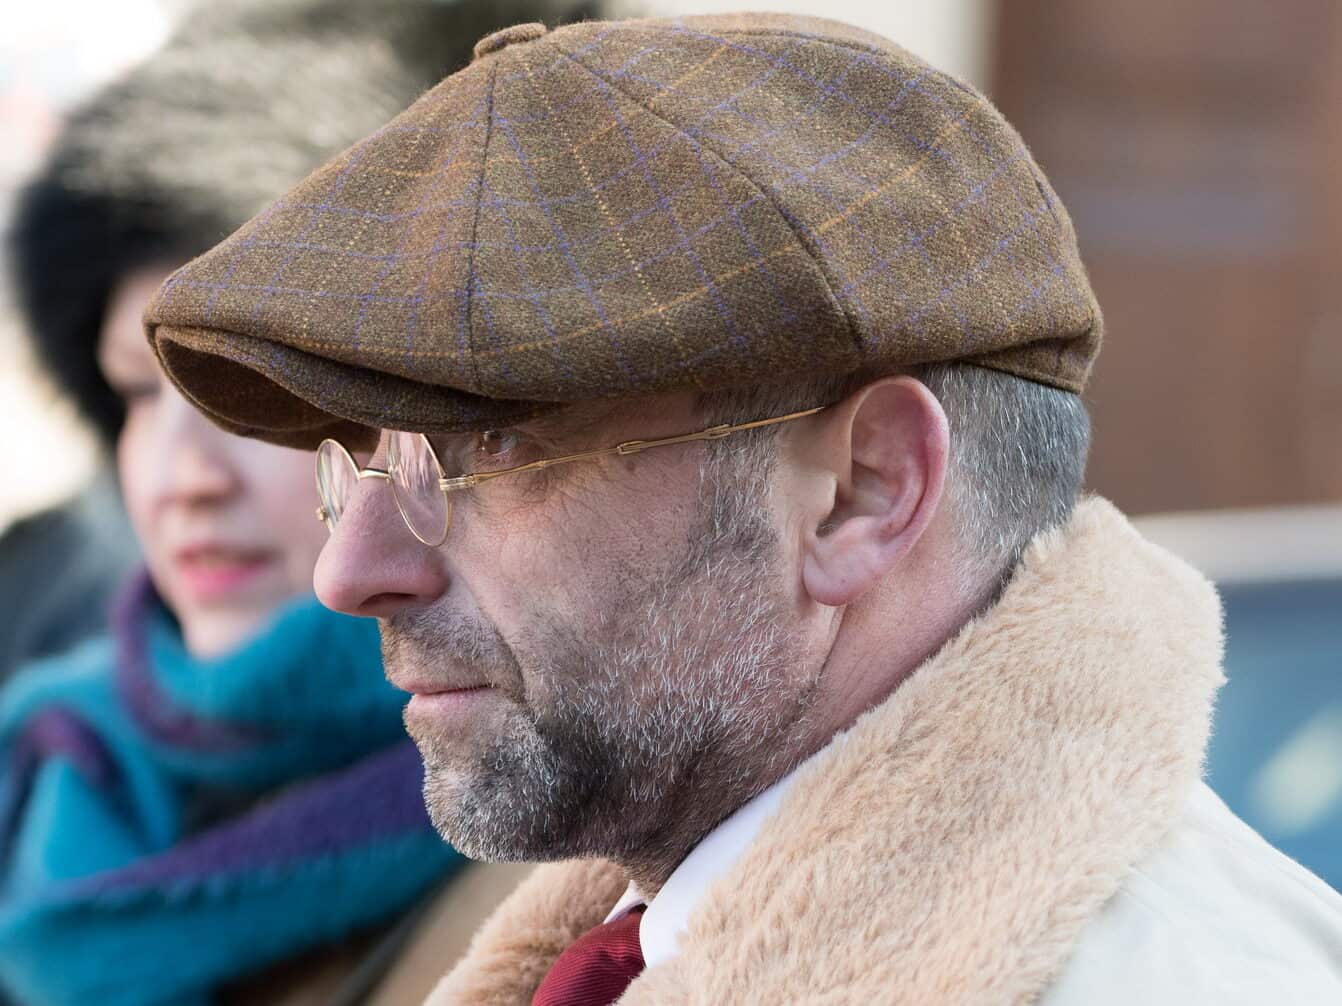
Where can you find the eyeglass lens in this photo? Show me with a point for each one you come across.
(414, 481)
(336, 477)
(414, 475)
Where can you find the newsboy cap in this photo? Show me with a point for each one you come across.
(627, 207)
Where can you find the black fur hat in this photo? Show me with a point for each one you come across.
(243, 101)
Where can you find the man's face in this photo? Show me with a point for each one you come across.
(624, 626)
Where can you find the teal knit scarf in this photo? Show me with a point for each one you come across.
(168, 824)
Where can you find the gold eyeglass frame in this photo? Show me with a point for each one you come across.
(456, 484)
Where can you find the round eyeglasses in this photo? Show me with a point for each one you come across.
(414, 472)
(423, 480)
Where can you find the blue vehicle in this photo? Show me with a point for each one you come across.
(1276, 753)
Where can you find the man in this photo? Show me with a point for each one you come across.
(122, 760)
(742, 572)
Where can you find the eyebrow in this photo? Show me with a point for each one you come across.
(564, 423)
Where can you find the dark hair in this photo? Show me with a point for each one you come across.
(68, 250)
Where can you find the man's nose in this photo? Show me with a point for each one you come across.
(372, 565)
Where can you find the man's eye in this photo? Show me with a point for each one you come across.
(495, 444)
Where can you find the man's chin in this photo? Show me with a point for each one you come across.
(483, 821)
(484, 785)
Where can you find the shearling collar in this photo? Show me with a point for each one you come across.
(952, 844)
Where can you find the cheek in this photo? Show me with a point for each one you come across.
(515, 560)
(284, 485)
(136, 469)
(576, 553)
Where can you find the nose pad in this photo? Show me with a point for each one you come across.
(372, 565)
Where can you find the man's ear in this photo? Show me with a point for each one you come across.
(886, 449)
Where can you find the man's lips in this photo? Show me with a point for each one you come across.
(441, 707)
(420, 686)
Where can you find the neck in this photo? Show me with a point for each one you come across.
(885, 636)
(703, 803)
(869, 648)
(651, 865)
(863, 668)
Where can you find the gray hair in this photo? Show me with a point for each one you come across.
(1017, 454)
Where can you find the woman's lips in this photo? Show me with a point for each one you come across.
(211, 572)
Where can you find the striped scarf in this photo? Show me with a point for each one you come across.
(168, 824)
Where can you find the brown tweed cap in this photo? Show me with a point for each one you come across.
(620, 208)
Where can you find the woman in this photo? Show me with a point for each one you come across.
(215, 801)
(223, 780)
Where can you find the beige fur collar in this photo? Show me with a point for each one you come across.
(951, 845)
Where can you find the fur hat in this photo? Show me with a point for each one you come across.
(243, 101)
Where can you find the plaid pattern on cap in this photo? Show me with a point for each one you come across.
(621, 208)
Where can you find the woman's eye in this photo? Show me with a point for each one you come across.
(134, 394)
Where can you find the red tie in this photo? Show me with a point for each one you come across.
(596, 969)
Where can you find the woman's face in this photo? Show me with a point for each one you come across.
(226, 524)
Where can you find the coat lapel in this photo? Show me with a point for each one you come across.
(951, 845)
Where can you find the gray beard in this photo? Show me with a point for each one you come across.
(675, 707)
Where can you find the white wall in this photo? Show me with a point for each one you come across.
(952, 35)
(51, 55)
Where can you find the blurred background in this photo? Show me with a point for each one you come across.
(1198, 146)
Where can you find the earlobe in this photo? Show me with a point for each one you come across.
(839, 569)
(888, 461)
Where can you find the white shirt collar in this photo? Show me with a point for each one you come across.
(668, 914)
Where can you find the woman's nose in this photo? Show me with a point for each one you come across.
(197, 469)
(372, 565)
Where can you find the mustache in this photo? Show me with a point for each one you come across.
(426, 639)
(436, 632)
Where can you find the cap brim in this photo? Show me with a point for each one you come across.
(262, 389)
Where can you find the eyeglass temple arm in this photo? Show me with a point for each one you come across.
(712, 433)
(628, 447)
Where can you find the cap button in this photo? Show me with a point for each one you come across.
(528, 32)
